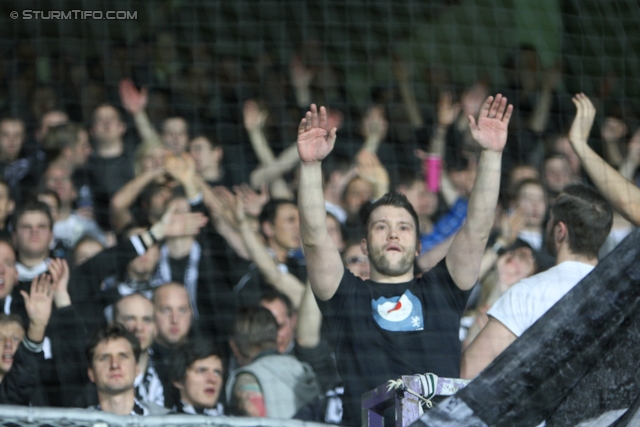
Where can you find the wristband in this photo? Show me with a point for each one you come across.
(154, 239)
(497, 246)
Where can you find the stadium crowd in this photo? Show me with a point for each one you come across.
(168, 248)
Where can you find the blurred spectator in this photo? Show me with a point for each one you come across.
(266, 384)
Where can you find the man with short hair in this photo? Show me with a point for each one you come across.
(280, 227)
(394, 324)
(22, 352)
(69, 226)
(282, 309)
(135, 312)
(7, 206)
(32, 234)
(197, 372)
(266, 384)
(175, 134)
(580, 222)
(67, 145)
(112, 353)
(15, 165)
(111, 164)
(173, 314)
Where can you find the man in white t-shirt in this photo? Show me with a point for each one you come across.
(580, 222)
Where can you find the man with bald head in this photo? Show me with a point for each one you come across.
(173, 318)
(135, 312)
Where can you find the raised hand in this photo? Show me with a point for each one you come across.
(493, 120)
(133, 100)
(176, 224)
(38, 306)
(59, 270)
(181, 167)
(374, 124)
(512, 224)
(301, 76)
(585, 113)
(223, 206)
(254, 117)
(315, 141)
(252, 200)
(447, 109)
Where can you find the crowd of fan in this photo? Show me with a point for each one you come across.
(149, 272)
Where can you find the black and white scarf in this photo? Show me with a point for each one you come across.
(148, 386)
(185, 408)
(190, 281)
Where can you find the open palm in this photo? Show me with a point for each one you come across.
(491, 129)
(315, 142)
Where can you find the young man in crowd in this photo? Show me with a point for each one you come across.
(135, 312)
(197, 372)
(112, 354)
(111, 164)
(370, 319)
(266, 384)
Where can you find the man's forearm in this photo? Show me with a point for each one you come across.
(484, 196)
(624, 195)
(311, 204)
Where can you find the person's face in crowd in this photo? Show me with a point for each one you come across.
(52, 203)
(522, 172)
(114, 367)
(563, 146)
(49, 120)
(515, 265)
(532, 199)
(204, 156)
(86, 250)
(81, 151)
(557, 174)
(58, 179)
(6, 204)
(11, 334)
(107, 125)
(8, 272)
(158, 202)
(357, 193)
(33, 234)
(333, 227)
(286, 323)
(135, 312)
(528, 68)
(143, 266)
(153, 159)
(285, 230)
(11, 139)
(202, 383)
(463, 180)
(173, 314)
(175, 134)
(356, 261)
(424, 201)
(391, 242)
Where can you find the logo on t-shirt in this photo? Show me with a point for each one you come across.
(398, 314)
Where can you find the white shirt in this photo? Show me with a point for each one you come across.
(526, 301)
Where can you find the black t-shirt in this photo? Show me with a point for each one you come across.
(385, 330)
(107, 176)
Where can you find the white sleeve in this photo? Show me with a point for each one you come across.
(511, 309)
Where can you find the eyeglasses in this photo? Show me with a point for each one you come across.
(358, 260)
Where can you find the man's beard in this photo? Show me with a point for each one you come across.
(550, 244)
(382, 265)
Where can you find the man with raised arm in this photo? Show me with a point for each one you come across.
(395, 324)
(621, 193)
